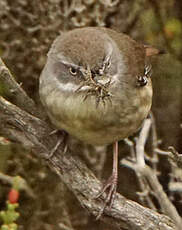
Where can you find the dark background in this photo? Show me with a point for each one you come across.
(27, 29)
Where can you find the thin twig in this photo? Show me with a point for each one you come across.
(147, 173)
(140, 143)
(22, 184)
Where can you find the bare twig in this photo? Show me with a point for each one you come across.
(146, 172)
(22, 184)
(173, 155)
(140, 143)
(175, 187)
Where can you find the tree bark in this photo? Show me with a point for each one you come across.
(20, 123)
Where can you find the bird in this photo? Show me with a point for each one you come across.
(96, 85)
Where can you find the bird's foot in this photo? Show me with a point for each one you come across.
(62, 140)
(110, 186)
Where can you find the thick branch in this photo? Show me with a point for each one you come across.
(125, 213)
(28, 130)
(14, 90)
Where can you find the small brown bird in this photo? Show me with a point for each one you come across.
(96, 86)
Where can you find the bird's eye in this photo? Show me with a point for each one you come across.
(73, 71)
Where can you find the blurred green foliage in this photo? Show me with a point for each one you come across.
(9, 216)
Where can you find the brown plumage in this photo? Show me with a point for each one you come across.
(96, 86)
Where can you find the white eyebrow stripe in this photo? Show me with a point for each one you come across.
(66, 61)
(70, 64)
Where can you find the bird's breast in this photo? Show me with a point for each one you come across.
(98, 123)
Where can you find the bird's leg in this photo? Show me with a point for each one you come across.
(111, 183)
(60, 141)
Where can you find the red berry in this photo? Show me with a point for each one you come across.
(13, 196)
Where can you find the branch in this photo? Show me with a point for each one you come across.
(30, 131)
(146, 172)
(22, 184)
(140, 144)
(14, 90)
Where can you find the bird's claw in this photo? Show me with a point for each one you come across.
(60, 141)
(110, 185)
